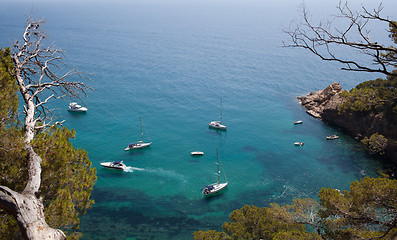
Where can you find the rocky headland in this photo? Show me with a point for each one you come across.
(324, 104)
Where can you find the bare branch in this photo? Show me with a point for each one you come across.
(37, 68)
(322, 42)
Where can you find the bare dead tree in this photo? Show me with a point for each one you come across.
(323, 39)
(37, 68)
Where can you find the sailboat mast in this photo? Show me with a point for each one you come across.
(217, 165)
(221, 111)
(140, 119)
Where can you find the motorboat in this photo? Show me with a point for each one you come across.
(298, 122)
(119, 165)
(74, 107)
(332, 137)
(139, 144)
(217, 187)
(197, 153)
(300, 144)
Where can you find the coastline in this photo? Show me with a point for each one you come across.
(323, 104)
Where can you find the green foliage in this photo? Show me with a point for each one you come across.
(12, 156)
(377, 143)
(251, 222)
(393, 31)
(295, 235)
(67, 175)
(67, 178)
(210, 235)
(374, 95)
(368, 210)
(8, 102)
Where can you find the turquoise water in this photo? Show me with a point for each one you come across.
(171, 63)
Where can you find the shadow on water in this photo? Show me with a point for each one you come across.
(133, 214)
(341, 162)
(195, 158)
(215, 131)
(77, 115)
(111, 173)
(249, 148)
(216, 196)
(137, 152)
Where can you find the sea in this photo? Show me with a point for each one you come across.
(172, 63)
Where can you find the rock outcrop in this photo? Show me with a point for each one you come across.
(317, 102)
(324, 104)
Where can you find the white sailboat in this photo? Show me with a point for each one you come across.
(139, 144)
(218, 124)
(218, 186)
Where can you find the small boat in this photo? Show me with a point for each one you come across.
(217, 187)
(197, 153)
(298, 122)
(139, 144)
(332, 137)
(74, 107)
(300, 144)
(218, 124)
(119, 165)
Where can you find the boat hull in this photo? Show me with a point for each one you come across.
(300, 144)
(138, 146)
(214, 189)
(332, 138)
(114, 166)
(78, 110)
(196, 153)
(74, 107)
(217, 125)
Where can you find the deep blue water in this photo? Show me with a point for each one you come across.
(171, 63)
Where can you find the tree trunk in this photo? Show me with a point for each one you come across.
(32, 63)
(28, 211)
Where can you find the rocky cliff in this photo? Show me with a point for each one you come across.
(318, 102)
(324, 104)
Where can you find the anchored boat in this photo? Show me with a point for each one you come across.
(218, 124)
(139, 144)
(217, 187)
(74, 107)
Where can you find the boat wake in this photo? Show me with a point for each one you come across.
(132, 169)
(159, 172)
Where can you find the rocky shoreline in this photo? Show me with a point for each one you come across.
(318, 102)
(324, 104)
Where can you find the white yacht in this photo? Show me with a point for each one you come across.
(115, 165)
(74, 107)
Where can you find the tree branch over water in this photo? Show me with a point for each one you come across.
(323, 39)
(37, 73)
